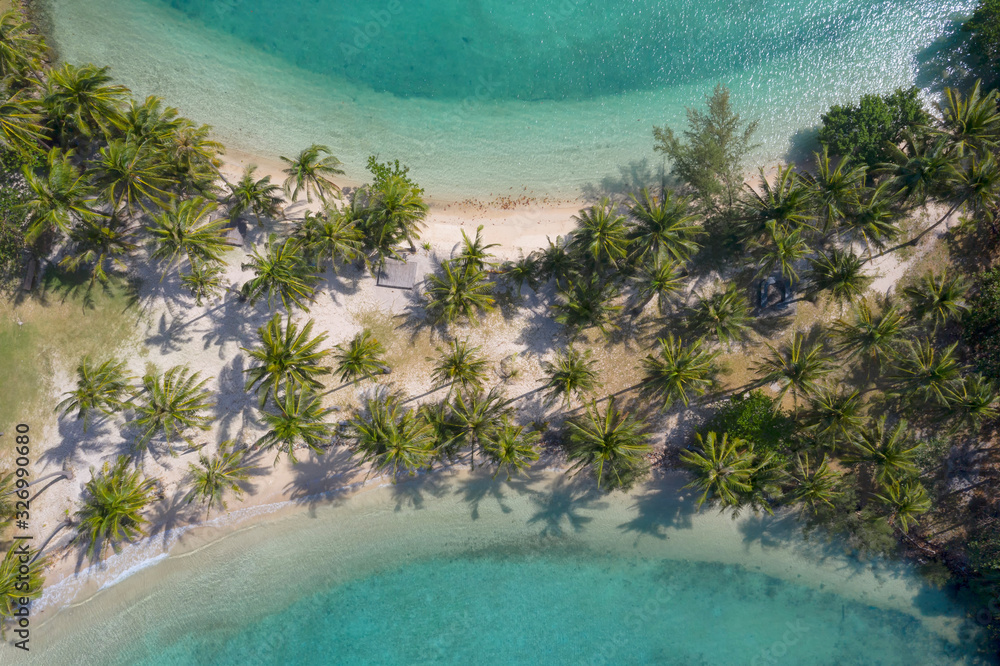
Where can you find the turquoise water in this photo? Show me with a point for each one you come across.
(472, 610)
(463, 570)
(484, 98)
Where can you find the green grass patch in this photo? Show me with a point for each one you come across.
(45, 334)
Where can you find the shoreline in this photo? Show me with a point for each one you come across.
(787, 555)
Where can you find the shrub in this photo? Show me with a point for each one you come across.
(755, 419)
(981, 325)
(862, 131)
(383, 171)
(12, 245)
(985, 28)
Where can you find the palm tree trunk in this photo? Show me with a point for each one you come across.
(916, 239)
(56, 531)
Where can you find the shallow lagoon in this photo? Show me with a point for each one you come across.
(491, 98)
(457, 568)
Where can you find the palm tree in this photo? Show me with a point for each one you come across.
(444, 434)
(906, 500)
(659, 280)
(128, 174)
(212, 477)
(923, 374)
(174, 402)
(722, 467)
(462, 365)
(8, 500)
(678, 371)
(476, 416)
(458, 292)
(970, 401)
(361, 357)
(475, 253)
(937, 297)
(813, 485)
(922, 170)
(971, 122)
(571, 373)
(20, 49)
(781, 249)
(585, 304)
(332, 236)
(300, 419)
(185, 230)
(662, 229)
(111, 510)
(82, 100)
(204, 280)
(834, 416)
(280, 272)
(787, 203)
(286, 356)
(556, 263)
(58, 197)
(887, 452)
(725, 315)
(613, 445)
(310, 173)
(20, 580)
(835, 190)
(193, 158)
(511, 448)
(874, 218)
(254, 195)
(601, 235)
(523, 271)
(875, 335)
(841, 273)
(392, 438)
(101, 244)
(397, 211)
(797, 365)
(150, 121)
(100, 389)
(20, 124)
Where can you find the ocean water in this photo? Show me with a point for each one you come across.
(459, 569)
(491, 98)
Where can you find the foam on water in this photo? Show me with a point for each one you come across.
(551, 97)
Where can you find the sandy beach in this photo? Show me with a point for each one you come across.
(171, 329)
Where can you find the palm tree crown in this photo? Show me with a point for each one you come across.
(287, 355)
(101, 389)
(212, 477)
(678, 371)
(310, 173)
(112, 507)
(612, 444)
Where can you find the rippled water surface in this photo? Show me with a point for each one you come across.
(493, 97)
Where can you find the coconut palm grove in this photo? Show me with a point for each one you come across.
(814, 340)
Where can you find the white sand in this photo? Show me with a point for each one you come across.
(176, 331)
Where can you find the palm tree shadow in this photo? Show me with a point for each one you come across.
(410, 492)
(661, 508)
(170, 513)
(74, 445)
(239, 403)
(322, 479)
(481, 486)
(770, 531)
(168, 337)
(631, 178)
(234, 321)
(560, 507)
